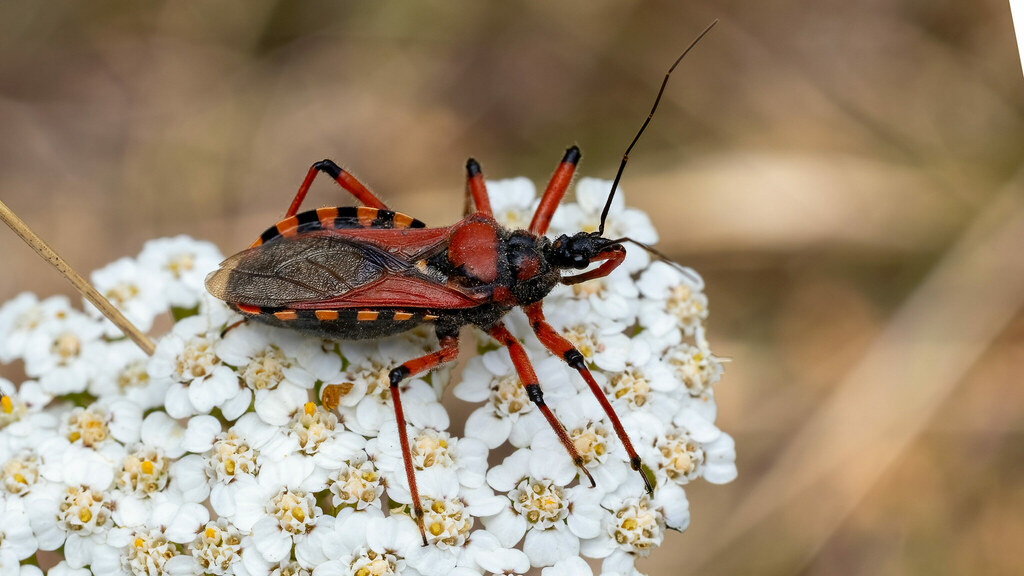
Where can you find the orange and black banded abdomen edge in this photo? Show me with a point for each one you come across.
(341, 324)
(338, 218)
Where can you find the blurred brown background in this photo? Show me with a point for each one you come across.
(846, 175)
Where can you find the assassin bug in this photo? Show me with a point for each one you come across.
(347, 273)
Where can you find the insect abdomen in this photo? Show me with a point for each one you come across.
(343, 324)
(338, 218)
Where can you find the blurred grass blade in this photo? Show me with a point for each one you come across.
(885, 402)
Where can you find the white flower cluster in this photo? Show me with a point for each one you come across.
(216, 455)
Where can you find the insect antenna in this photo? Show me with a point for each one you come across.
(687, 272)
(625, 156)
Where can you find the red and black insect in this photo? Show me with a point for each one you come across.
(347, 273)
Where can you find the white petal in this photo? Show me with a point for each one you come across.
(200, 433)
(273, 544)
(672, 500)
(569, 567)
(177, 402)
(78, 551)
(237, 405)
(508, 526)
(131, 511)
(276, 406)
(545, 547)
(162, 431)
(483, 425)
(504, 561)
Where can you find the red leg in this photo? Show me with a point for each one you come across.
(476, 190)
(232, 326)
(556, 189)
(343, 178)
(449, 351)
(564, 349)
(529, 380)
(612, 258)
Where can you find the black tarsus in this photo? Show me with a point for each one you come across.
(572, 155)
(657, 100)
(637, 465)
(472, 167)
(398, 374)
(328, 167)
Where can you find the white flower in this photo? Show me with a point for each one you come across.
(312, 435)
(78, 518)
(164, 433)
(116, 419)
(123, 371)
(22, 316)
(569, 567)
(24, 421)
(356, 483)
(199, 380)
(512, 201)
(365, 394)
(61, 354)
(612, 297)
(507, 413)
(131, 290)
(217, 547)
(144, 471)
(598, 338)
(366, 540)
(151, 486)
(633, 524)
(593, 437)
(438, 459)
(145, 552)
(645, 384)
(680, 457)
(63, 569)
(180, 265)
(279, 508)
(448, 522)
(16, 539)
(20, 473)
(585, 215)
(695, 366)
(485, 554)
(553, 518)
(230, 458)
(279, 366)
(675, 300)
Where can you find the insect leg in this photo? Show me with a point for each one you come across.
(529, 379)
(564, 349)
(232, 326)
(556, 189)
(449, 351)
(343, 178)
(476, 190)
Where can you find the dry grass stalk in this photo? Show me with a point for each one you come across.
(80, 284)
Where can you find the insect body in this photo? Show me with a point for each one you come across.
(368, 272)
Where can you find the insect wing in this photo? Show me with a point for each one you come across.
(304, 268)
